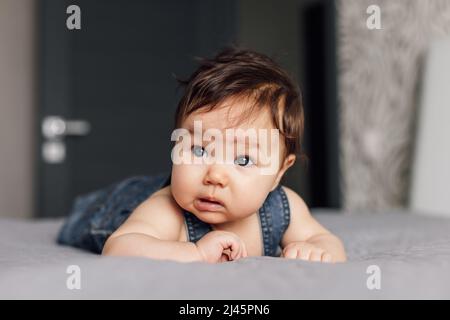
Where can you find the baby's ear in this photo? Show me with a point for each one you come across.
(287, 163)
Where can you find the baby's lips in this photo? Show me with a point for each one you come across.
(203, 205)
(212, 199)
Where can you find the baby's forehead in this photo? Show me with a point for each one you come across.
(237, 117)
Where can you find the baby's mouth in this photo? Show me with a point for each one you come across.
(208, 204)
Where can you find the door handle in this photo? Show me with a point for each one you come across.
(54, 129)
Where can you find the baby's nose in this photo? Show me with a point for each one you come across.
(216, 175)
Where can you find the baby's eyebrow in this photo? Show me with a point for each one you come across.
(252, 143)
(246, 140)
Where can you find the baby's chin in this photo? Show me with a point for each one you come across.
(211, 217)
(214, 217)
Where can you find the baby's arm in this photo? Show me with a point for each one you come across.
(153, 231)
(307, 239)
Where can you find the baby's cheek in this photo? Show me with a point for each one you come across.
(181, 184)
(250, 200)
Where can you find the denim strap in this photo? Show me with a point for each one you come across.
(274, 217)
(196, 228)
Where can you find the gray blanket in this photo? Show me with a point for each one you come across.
(411, 255)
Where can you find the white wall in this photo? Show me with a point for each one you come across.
(17, 104)
(431, 172)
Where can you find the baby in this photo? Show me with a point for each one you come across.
(214, 210)
(237, 131)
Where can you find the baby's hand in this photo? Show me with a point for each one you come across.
(220, 246)
(305, 251)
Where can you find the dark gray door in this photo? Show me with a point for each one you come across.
(112, 83)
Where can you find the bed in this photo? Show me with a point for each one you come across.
(408, 253)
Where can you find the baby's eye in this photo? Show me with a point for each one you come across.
(243, 161)
(198, 151)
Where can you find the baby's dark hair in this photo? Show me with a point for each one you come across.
(235, 73)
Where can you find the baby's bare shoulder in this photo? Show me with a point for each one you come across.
(296, 203)
(164, 191)
(158, 216)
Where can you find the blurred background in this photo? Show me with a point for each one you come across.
(83, 108)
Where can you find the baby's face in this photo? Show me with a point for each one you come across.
(236, 189)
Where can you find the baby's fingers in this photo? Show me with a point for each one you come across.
(224, 257)
(304, 253)
(229, 243)
(240, 253)
(233, 247)
(326, 257)
(316, 254)
(235, 250)
(290, 253)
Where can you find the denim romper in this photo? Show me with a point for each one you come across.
(95, 216)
